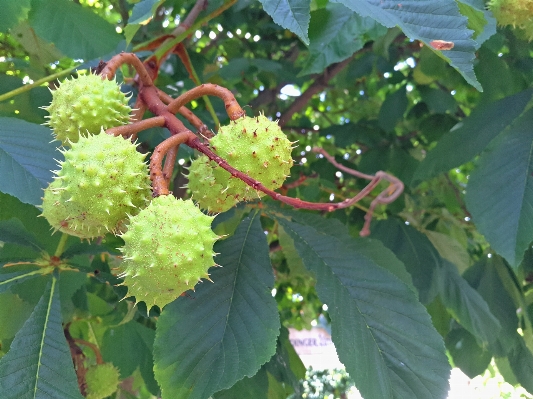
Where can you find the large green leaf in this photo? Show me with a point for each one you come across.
(38, 364)
(416, 252)
(26, 159)
(12, 13)
(383, 335)
(335, 33)
(77, 31)
(500, 191)
(293, 15)
(228, 329)
(466, 305)
(141, 14)
(426, 20)
(472, 135)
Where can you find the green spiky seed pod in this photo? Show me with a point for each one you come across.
(101, 381)
(255, 146)
(102, 180)
(84, 105)
(167, 249)
(516, 13)
(211, 187)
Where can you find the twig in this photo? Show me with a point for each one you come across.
(387, 196)
(233, 108)
(136, 127)
(37, 83)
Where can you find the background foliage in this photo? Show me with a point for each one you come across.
(445, 278)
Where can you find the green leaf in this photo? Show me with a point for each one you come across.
(415, 251)
(500, 191)
(11, 207)
(39, 364)
(73, 29)
(426, 20)
(383, 335)
(466, 305)
(450, 249)
(253, 387)
(472, 135)
(521, 362)
(13, 231)
(480, 20)
(294, 261)
(484, 277)
(335, 33)
(12, 13)
(393, 109)
(228, 329)
(141, 14)
(13, 313)
(466, 353)
(293, 15)
(26, 159)
(10, 277)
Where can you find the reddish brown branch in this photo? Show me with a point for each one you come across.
(316, 87)
(201, 127)
(159, 177)
(233, 109)
(387, 196)
(127, 58)
(195, 143)
(136, 127)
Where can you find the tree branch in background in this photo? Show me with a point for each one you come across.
(320, 83)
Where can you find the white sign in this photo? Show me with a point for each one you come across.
(315, 348)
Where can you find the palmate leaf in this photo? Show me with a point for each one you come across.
(26, 159)
(39, 364)
(383, 335)
(228, 329)
(500, 191)
(426, 20)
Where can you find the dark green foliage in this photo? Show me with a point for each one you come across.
(446, 273)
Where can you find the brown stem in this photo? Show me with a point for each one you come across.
(317, 86)
(136, 127)
(94, 348)
(195, 143)
(233, 108)
(201, 127)
(387, 196)
(158, 176)
(127, 58)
